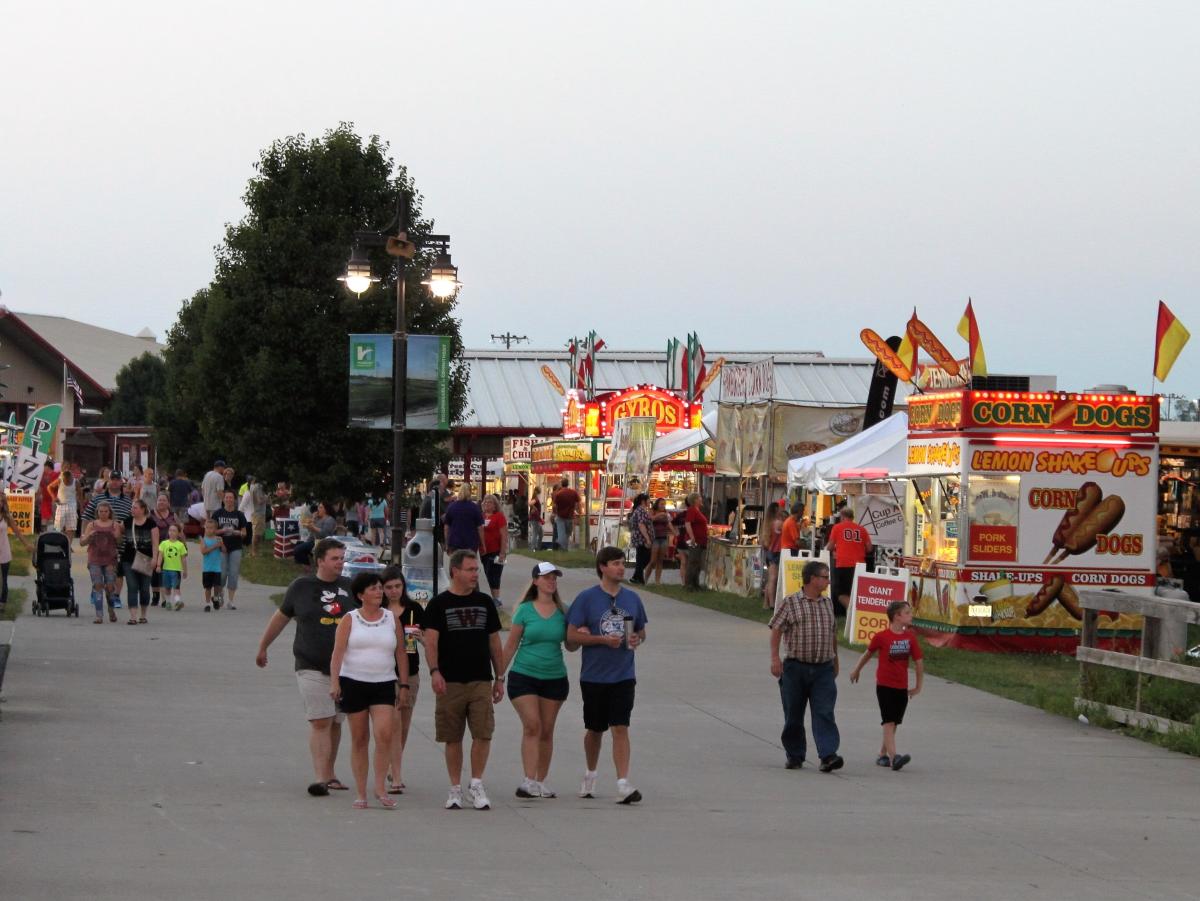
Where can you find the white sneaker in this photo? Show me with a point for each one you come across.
(454, 801)
(478, 797)
(545, 791)
(528, 789)
(588, 788)
(626, 793)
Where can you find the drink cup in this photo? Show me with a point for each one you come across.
(628, 631)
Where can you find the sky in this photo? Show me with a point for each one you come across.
(772, 176)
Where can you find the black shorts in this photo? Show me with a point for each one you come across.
(210, 580)
(843, 581)
(607, 704)
(551, 689)
(892, 704)
(492, 568)
(358, 696)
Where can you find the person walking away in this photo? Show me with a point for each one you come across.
(141, 559)
(377, 519)
(102, 536)
(411, 617)
(172, 566)
(641, 536)
(6, 523)
(848, 545)
(163, 520)
(463, 523)
(466, 669)
(896, 645)
(368, 652)
(566, 503)
(536, 521)
(695, 523)
(66, 501)
(537, 675)
(231, 526)
(179, 491)
(805, 626)
(770, 537)
(317, 603)
(212, 487)
(608, 621)
(495, 545)
(212, 549)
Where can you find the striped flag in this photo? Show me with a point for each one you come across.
(968, 328)
(908, 346)
(74, 386)
(1169, 338)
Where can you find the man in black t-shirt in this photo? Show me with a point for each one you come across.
(317, 603)
(179, 491)
(462, 648)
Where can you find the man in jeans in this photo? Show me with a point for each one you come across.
(566, 505)
(463, 650)
(805, 625)
(317, 603)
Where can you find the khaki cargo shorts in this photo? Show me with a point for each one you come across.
(464, 704)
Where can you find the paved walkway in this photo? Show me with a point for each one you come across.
(157, 762)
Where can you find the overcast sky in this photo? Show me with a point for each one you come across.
(770, 175)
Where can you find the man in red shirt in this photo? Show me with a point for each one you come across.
(848, 545)
(566, 504)
(695, 523)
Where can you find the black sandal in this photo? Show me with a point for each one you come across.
(318, 789)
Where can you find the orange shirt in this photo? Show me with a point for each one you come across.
(789, 537)
(851, 543)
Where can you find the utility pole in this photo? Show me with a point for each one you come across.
(509, 339)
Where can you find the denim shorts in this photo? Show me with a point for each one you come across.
(171, 579)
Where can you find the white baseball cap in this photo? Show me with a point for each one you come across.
(544, 569)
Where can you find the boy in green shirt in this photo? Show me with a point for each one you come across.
(172, 563)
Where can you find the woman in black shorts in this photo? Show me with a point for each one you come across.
(537, 674)
(368, 651)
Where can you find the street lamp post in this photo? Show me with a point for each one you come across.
(442, 283)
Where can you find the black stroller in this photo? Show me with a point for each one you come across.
(52, 575)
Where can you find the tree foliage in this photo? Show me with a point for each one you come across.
(140, 383)
(256, 364)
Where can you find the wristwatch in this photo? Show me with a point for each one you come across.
(433, 669)
(500, 678)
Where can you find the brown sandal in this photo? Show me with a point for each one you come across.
(97, 621)
(141, 620)
(112, 615)
(132, 622)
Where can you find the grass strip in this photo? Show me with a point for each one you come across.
(16, 604)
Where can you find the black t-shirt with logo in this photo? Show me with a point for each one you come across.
(465, 624)
(317, 607)
(231, 519)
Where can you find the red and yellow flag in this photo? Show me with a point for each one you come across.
(1169, 338)
(968, 328)
(907, 352)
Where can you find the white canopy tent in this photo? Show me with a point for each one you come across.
(685, 439)
(870, 454)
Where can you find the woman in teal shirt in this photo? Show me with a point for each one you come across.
(537, 675)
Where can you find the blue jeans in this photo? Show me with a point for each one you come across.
(137, 588)
(231, 569)
(803, 684)
(562, 532)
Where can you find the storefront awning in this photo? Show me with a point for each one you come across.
(685, 439)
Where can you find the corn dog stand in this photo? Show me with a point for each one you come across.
(1017, 500)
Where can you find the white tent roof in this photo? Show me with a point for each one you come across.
(685, 439)
(880, 448)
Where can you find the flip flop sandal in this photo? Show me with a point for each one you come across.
(359, 804)
(142, 620)
(132, 622)
(396, 788)
(97, 621)
(112, 615)
(337, 785)
(384, 802)
(318, 789)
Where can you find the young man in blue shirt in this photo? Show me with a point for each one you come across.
(596, 623)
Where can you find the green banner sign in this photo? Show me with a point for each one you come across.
(428, 382)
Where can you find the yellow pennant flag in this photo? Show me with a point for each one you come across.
(1169, 338)
(968, 328)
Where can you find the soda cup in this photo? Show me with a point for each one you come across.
(628, 631)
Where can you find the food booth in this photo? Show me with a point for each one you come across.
(581, 454)
(1014, 500)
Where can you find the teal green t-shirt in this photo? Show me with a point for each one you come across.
(540, 655)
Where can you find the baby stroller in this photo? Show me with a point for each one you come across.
(52, 575)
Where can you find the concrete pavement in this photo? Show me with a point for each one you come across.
(158, 762)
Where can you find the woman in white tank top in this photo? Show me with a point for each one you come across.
(368, 654)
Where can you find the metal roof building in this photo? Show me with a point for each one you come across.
(508, 392)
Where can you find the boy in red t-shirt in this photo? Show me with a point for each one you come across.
(895, 644)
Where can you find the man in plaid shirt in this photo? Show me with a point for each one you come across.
(805, 625)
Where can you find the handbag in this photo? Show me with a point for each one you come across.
(142, 563)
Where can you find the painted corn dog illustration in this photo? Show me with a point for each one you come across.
(1102, 519)
(1087, 497)
(1069, 601)
(1046, 596)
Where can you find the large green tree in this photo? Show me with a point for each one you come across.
(140, 383)
(256, 365)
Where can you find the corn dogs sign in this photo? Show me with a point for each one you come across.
(1034, 411)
